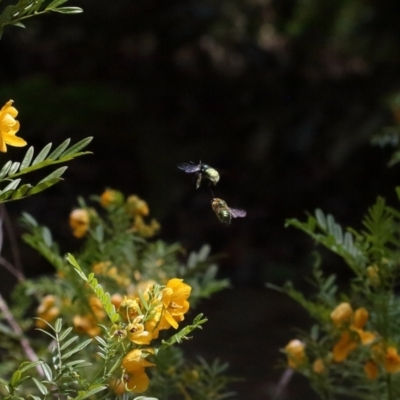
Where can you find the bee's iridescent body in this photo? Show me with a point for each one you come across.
(202, 171)
(224, 213)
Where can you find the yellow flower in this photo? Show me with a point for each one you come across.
(116, 300)
(86, 324)
(295, 353)
(371, 370)
(342, 313)
(136, 378)
(47, 311)
(343, 347)
(174, 298)
(136, 206)
(97, 308)
(117, 386)
(101, 268)
(79, 222)
(136, 332)
(111, 198)
(392, 360)
(318, 366)
(360, 318)
(9, 127)
(366, 337)
(157, 322)
(143, 229)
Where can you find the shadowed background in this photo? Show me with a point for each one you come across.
(282, 97)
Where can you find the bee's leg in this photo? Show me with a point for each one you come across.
(199, 176)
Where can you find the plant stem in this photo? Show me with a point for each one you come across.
(26, 347)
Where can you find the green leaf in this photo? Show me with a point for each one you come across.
(15, 378)
(68, 10)
(34, 397)
(92, 390)
(5, 15)
(68, 342)
(27, 159)
(47, 371)
(21, 192)
(77, 146)
(14, 168)
(65, 334)
(40, 386)
(28, 365)
(18, 24)
(78, 348)
(42, 155)
(77, 364)
(38, 4)
(58, 325)
(45, 332)
(5, 169)
(29, 219)
(320, 218)
(145, 398)
(55, 174)
(59, 150)
(43, 186)
(9, 190)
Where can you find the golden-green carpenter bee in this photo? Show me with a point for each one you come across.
(225, 213)
(201, 170)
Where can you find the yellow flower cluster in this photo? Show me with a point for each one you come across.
(106, 268)
(9, 127)
(164, 308)
(353, 323)
(350, 326)
(88, 323)
(47, 311)
(135, 208)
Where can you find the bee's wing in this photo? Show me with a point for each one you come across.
(189, 168)
(237, 213)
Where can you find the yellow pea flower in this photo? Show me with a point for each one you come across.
(9, 127)
(86, 324)
(136, 206)
(134, 365)
(137, 333)
(174, 298)
(295, 353)
(360, 317)
(371, 370)
(116, 300)
(392, 360)
(117, 386)
(318, 366)
(79, 222)
(47, 310)
(342, 313)
(111, 197)
(343, 347)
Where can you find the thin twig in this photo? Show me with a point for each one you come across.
(10, 268)
(26, 347)
(283, 382)
(12, 238)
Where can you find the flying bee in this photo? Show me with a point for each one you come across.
(224, 213)
(202, 171)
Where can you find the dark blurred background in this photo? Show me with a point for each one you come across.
(282, 97)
